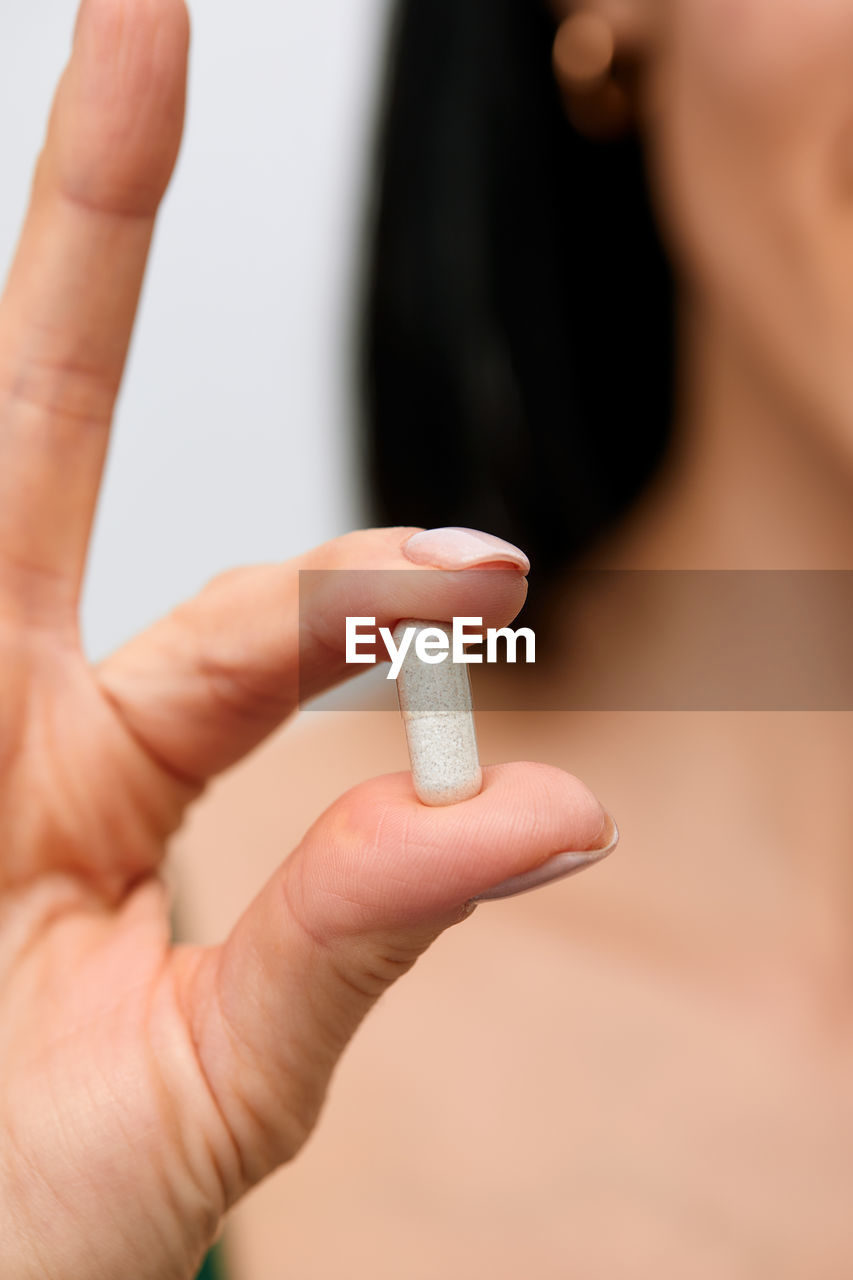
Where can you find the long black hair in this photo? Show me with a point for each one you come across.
(517, 336)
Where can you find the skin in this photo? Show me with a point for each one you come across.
(646, 1072)
(145, 1087)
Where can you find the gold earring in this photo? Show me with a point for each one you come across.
(586, 64)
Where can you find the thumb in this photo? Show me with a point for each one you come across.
(377, 878)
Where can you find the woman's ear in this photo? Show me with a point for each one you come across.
(633, 22)
(600, 48)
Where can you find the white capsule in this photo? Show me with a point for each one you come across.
(435, 702)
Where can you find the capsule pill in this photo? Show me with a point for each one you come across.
(438, 715)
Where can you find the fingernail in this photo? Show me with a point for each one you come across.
(556, 868)
(454, 548)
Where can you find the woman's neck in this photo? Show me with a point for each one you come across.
(746, 488)
(748, 484)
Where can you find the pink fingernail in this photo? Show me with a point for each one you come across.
(454, 548)
(556, 868)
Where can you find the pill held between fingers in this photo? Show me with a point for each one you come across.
(435, 703)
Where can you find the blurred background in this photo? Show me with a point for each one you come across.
(241, 358)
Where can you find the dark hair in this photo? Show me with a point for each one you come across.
(517, 339)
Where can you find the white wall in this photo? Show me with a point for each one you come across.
(233, 440)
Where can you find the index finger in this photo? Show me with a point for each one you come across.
(67, 313)
(206, 684)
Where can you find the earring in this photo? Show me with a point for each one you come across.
(586, 64)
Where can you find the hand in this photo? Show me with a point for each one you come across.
(143, 1086)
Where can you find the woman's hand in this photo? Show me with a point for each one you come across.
(144, 1087)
